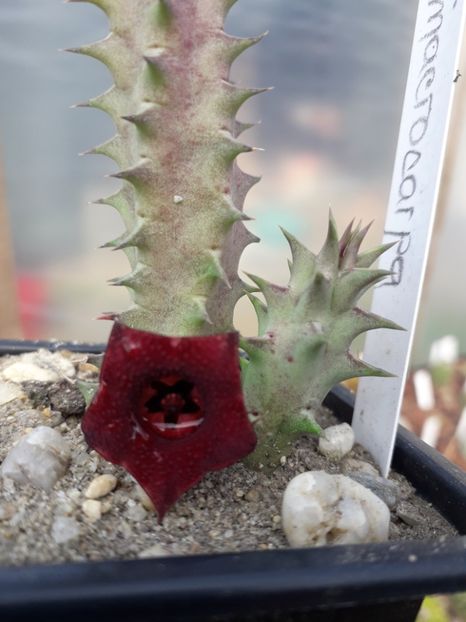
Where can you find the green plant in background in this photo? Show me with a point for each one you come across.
(181, 200)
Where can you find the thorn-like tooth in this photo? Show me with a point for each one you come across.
(359, 369)
(234, 147)
(252, 239)
(138, 172)
(114, 200)
(365, 260)
(216, 257)
(264, 285)
(106, 315)
(345, 238)
(110, 148)
(100, 50)
(139, 273)
(237, 45)
(85, 104)
(132, 118)
(329, 255)
(239, 127)
(131, 238)
(144, 116)
(238, 95)
(201, 302)
(100, 102)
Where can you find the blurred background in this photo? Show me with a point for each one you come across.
(329, 131)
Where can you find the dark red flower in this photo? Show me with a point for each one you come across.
(169, 409)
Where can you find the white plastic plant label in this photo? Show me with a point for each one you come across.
(432, 79)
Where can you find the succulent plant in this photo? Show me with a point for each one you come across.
(170, 406)
(182, 193)
(305, 333)
(181, 200)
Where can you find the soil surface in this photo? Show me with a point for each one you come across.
(232, 510)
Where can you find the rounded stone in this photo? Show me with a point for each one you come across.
(40, 459)
(100, 486)
(154, 551)
(92, 509)
(336, 441)
(65, 529)
(322, 509)
(10, 392)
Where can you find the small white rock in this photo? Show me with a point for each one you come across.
(92, 509)
(40, 459)
(65, 529)
(9, 392)
(177, 199)
(27, 372)
(100, 486)
(322, 509)
(153, 551)
(136, 512)
(336, 441)
(40, 366)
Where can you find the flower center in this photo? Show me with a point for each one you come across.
(171, 406)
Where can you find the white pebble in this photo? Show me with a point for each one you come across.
(92, 509)
(65, 529)
(40, 366)
(153, 551)
(27, 372)
(40, 459)
(177, 199)
(100, 486)
(136, 512)
(336, 441)
(9, 392)
(321, 509)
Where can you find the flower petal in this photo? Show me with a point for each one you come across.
(169, 409)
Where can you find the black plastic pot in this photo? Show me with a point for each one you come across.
(377, 583)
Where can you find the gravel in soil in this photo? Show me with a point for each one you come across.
(231, 510)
